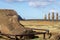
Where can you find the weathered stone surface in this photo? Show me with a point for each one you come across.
(9, 23)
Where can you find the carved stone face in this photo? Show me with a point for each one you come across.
(13, 19)
(9, 22)
(15, 16)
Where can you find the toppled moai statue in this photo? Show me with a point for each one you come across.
(9, 23)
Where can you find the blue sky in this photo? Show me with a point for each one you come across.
(32, 9)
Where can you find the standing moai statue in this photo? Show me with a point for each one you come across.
(57, 16)
(49, 16)
(52, 16)
(45, 17)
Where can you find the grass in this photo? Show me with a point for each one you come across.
(37, 39)
(3, 38)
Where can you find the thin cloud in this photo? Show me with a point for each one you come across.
(38, 4)
(35, 3)
(30, 0)
(9, 0)
(52, 0)
(58, 3)
(53, 10)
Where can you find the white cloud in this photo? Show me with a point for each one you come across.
(9, 0)
(38, 4)
(52, 0)
(53, 10)
(15, 0)
(31, 0)
(35, 3)
(20, 0)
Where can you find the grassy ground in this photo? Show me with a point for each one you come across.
(30, 39)
(54, 29)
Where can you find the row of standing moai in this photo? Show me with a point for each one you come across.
(49, 18)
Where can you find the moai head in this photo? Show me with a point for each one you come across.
(9, 22)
